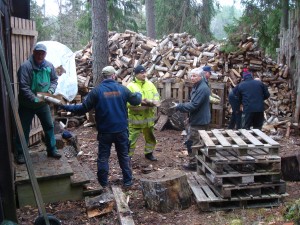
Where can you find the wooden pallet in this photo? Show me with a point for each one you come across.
(237, 177)
(240, 141)
(259, 160)
(208, 200)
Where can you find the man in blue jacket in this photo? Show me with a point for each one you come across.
(199, 112)
(36, 75)
(252, 94)
(109, 99)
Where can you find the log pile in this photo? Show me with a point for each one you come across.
(177, 53)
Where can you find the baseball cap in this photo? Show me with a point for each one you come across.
(108, 70)
(139, 69)
(206, 68)
(40, 47)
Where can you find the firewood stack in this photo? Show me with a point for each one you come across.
(280, 105)
(177, 53)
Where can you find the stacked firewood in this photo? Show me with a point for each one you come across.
(280, 106)
(176, 54)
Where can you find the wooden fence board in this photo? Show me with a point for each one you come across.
(23, 38)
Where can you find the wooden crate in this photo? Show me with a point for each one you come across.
(169, 89)
(180, 91)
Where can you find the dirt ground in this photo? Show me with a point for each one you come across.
(171, 153)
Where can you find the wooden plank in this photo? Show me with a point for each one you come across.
(236, 138)
(265, 137)
(223, 141)
(124, 212)
(196, 188)
(24, 32)
(250, 137)
(206, 139)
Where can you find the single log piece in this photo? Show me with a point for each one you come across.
(290, 167)
(166, 190)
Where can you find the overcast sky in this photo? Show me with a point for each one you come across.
(52, 8)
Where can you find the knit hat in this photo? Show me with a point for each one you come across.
(139, 69)
(66, 134)
(206, 68)
(40, 47)
(108, 70)
(247, 74)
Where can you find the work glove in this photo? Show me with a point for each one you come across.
(173, 105)
(39, 98)
(51, 91)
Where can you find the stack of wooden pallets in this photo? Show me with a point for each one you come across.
(237, 169)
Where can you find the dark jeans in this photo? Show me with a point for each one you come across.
(193, 138)
(44, 114)
(253, 119)
(235, 120)
(122, 147)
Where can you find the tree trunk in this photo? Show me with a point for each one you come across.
(166, 190)
(150, 18)
(100, 38)
(285, 14)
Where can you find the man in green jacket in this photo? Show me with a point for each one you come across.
(141, 118)
(36, 75)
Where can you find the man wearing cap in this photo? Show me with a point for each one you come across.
(36, 75)
(109, 99)
(142, 117)
(199, 112)
(213, 98)
(252, 94)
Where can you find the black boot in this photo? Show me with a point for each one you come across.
(150, 157)
(55, 155)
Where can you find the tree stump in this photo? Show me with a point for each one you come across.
(166, 190)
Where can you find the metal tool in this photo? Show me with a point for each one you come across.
(34, 183)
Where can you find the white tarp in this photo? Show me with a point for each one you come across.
(59, 54)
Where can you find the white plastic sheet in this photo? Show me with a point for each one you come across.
(59, 54)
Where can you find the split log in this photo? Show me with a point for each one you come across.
(100, 205)
(165, 191)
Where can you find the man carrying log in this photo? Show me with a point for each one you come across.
(199, 112)
(36, 75)
(252, 94)
(142, 117)
(109, 99)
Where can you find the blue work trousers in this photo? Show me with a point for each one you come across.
(44, 115)
(122, 147)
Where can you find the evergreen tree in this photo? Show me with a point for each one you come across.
(43, 24)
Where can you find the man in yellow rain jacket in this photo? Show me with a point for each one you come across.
(141, 118)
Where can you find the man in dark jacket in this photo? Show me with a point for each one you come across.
(109, 99)
(252, 94)
(199, 112)
(36, 75)
(235, 103)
